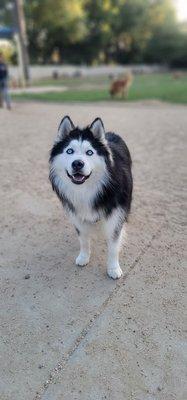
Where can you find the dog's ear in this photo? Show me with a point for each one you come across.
(65, 127)
(97, 128)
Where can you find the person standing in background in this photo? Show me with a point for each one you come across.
(4, 92)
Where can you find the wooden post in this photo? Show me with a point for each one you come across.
(21, 39)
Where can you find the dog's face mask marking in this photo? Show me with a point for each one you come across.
(79, 160)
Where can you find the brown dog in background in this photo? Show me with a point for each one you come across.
(121, 85)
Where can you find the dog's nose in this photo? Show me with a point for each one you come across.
(77, 165)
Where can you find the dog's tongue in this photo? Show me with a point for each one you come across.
(78, 177)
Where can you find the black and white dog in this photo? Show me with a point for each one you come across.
(90, 171)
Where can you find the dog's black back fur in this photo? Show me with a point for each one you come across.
(119, 190)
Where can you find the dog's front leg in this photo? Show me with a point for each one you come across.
(84, 255)
(113, 229)
(113, 267)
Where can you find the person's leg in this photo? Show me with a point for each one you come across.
(7, 97)
(1, 98)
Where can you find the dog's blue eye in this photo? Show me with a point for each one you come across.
(89, 152)
(69, 151)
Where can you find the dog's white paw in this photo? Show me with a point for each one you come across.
(82, 259)
(114, 273)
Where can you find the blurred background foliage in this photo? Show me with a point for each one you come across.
(103, 31)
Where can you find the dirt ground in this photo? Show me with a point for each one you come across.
(70, 333)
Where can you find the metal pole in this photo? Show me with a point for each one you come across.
(21, 39)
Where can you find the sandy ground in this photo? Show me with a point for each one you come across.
(70, 333)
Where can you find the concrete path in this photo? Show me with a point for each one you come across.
(71, 333)
(38, 89)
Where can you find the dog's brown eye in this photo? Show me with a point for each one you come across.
(69, 151)
(89, 152)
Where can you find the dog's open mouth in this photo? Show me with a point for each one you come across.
(78, 178)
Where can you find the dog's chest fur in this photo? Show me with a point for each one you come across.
(82, 201)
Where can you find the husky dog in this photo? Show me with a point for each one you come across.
(90, 171)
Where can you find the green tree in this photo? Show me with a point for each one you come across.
(121, 29)
(7, 17)
(54, 25)
(92, 31)
(135, 25)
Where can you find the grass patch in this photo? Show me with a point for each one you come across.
(68, 96)
(145, 87)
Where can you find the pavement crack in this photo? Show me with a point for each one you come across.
(64, 361)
